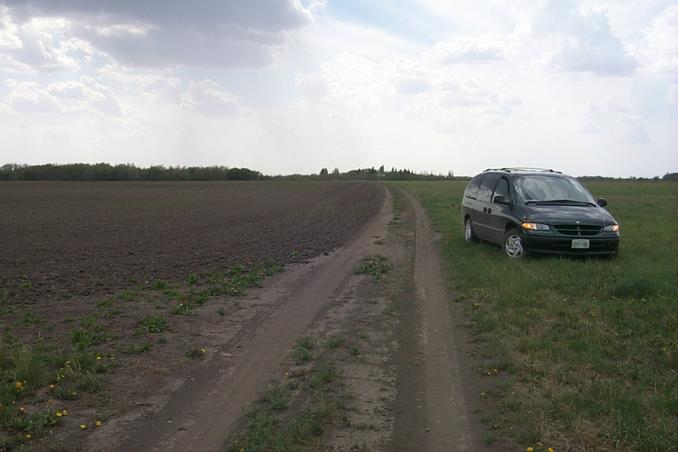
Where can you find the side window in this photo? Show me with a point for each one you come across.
(472, 187)
(486, 187)
(501, 189)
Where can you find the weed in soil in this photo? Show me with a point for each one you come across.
(374, 265)
(153, 324)
(196, 353)
(89, 333)
(303, 350)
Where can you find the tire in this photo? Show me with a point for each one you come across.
(513, 245)
(469, 234)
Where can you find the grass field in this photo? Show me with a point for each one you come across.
(589, 348)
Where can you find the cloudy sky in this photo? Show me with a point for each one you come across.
(284, 86)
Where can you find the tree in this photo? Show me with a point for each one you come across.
(323, 172)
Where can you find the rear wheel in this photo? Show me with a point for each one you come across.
(469, 235)
(513, 245)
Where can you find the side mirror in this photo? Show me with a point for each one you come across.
(500, 199)
(602, 202)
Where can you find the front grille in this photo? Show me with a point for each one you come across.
(583, 230)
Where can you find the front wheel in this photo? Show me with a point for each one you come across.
(513, 245)
(469, 235)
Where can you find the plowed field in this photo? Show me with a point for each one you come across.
(60, 240)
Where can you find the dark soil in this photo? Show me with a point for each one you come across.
(60, 240)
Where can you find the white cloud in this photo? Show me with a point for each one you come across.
(208, 98)
(84, 96)
(673, 94)
(39, 45)
(413, 85)
(239, 33)
(30, 97)
(312, 86)
(467, 49)
(153, 85)
(659, 50)
(8, 31)
(574, 39)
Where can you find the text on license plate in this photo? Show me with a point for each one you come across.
(580, 244)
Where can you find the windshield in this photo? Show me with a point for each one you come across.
(551, 188)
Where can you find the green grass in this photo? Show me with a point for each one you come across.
(152, 324)
(196, 353)
(374, 265)
(323, 397)
(591, 346)
(89, 333)
(138, 349)
(29, 375)
(303, 350)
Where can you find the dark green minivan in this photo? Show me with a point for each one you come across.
(537, 211)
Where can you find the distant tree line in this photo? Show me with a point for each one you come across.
(129, 172)
(666, 177)
(370, 174)
(125, 172)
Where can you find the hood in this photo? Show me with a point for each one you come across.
(555, 214)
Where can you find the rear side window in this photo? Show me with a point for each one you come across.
(501, 189)
(473, 186)
(487, 186)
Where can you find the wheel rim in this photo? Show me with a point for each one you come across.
(514, 246)
(468, 232)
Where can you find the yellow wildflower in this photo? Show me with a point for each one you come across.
(64, 412)
(550, 449)
(529, 449)
(28, 436)
(83, 426)
(18, 385)
(98, 423)
(59, 414)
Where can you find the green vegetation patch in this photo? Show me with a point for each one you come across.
(270, 425)
(303, 350)
(29, 375)
(89, 333)
(590, 345)
(374, 265)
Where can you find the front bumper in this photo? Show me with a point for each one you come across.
(558, 244)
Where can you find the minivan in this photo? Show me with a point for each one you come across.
(540, 211)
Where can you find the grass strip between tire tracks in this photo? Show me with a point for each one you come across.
(293, 414)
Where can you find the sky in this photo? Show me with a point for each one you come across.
(292, 86)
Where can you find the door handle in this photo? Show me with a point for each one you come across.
(489, 210)
(484, 209)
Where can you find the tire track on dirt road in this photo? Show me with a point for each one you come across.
(205, 409)
(432, 412)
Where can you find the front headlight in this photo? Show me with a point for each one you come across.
(535, 226)
(611, 228)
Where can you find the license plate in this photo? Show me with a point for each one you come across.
(580, 244)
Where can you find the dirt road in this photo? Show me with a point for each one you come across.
(202, 413)
(412, 399)
(432, 411)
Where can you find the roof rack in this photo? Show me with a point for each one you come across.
(540, 170)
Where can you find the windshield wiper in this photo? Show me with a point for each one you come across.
(560, 201)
